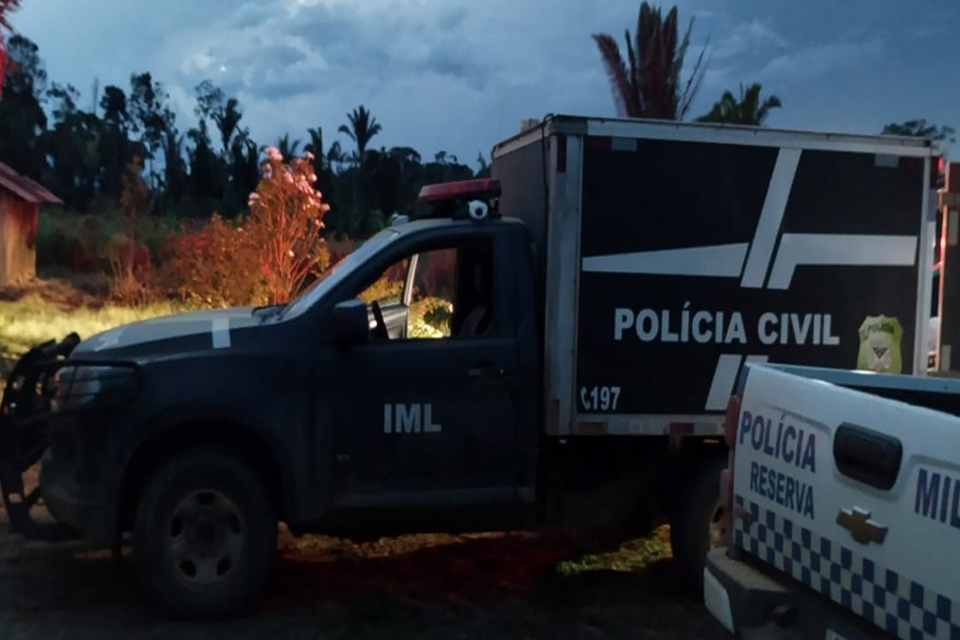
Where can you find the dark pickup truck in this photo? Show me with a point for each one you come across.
(552, 396)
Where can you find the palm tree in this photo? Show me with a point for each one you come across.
(647, 84)
(362, 129)
(315, 146)
(747, 110)
(335, 157)
(228, 123)
(286, 147)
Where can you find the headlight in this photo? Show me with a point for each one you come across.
(91, 386)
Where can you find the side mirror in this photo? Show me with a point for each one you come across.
(350, 323)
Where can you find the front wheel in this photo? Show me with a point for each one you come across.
(698, 524)
(205, 535)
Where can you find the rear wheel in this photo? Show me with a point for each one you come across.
(205, 535)
(698, 523)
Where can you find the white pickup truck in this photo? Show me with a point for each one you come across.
(844, 494)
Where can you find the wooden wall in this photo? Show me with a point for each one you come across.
(18, 239)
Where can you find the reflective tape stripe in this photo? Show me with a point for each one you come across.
(220, 332)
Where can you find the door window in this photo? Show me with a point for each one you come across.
(387, 290)
(433, 294)
(444, 292)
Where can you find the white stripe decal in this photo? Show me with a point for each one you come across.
(750, 136)
(220, 332)
(720, 261)
(109, 339)
(797, 249)
(771, 216)
(724, 377)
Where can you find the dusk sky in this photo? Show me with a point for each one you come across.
(460, 76)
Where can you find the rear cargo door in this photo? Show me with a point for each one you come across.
(855, 495)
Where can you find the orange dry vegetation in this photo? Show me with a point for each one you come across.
(261, 259)
(422, 568)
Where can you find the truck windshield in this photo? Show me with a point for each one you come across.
(336, 273)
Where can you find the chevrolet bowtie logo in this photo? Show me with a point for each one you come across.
(864, 530)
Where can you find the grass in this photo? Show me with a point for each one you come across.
(32, 319)
(634, 555)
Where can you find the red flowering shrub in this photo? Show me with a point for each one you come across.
(286, 215)
(263, 258)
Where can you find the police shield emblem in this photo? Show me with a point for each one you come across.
(880, 338)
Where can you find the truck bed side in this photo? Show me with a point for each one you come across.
(853, 493)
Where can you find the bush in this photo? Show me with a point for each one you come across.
(69, 241)
(430, 318)
(131, 270)
(286, 216)
(259, 259)
(215, 265)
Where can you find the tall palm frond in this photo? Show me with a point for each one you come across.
(6, 8)
(621, 79)
(646, 84)
(747, 110)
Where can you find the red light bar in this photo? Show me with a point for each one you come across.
(466, 189)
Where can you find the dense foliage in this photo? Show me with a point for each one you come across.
(203, 213)
(79, 149)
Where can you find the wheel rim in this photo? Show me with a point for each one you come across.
(717, 531)
(204, 538)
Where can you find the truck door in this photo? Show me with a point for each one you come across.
(429, 414)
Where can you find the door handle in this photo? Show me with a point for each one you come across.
(867, 455)
(484, 371)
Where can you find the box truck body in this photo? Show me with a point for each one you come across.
(670, 254)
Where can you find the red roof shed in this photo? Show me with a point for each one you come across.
(20, 199)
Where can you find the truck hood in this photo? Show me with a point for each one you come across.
(208, 329)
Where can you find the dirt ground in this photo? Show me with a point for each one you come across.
(487, 586)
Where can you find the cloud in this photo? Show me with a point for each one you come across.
(457, 75)
(715, 77)
(746, 38)
(817, 60)
(450, 74)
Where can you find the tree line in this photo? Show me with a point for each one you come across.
(210, 165)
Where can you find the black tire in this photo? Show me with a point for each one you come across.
(208, 510)
(695, 510)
